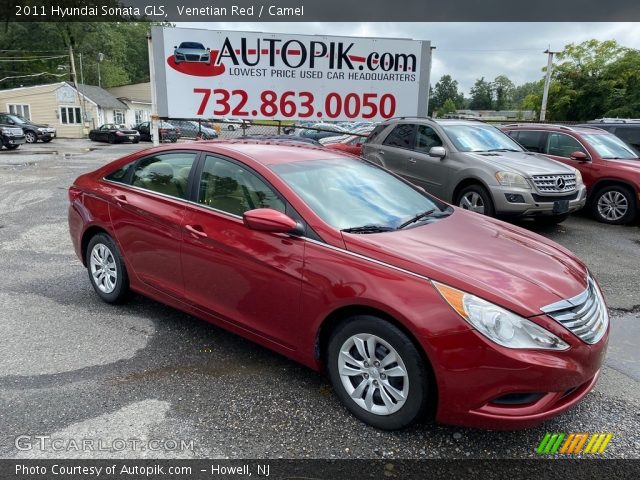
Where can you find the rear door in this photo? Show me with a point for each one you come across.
(147, 216)
(248, 278)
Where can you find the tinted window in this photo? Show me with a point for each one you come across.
(400, 136)
(426, 138)
(530, 140)
(376, 132)
(631, 135)
(562, 145)
(167, 173)
(121, 175)
(233, 189)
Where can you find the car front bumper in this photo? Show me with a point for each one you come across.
(533, 204)
(474, 381)
(11, 140)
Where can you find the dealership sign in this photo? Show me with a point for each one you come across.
(210, 74)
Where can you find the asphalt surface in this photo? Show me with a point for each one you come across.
(73, 367)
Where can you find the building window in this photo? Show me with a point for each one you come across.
(141, 116)
(22, 110)
(118, 117)
(70, 116)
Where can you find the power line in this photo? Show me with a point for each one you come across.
(34, 75)
(30, 59)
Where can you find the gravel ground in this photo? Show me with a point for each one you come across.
(73, 367)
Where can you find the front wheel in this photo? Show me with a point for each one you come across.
(377, 372)
(477, 199)
(12, 147)
(231, 128)
(615, 205)
(30, 137)
(107, 271)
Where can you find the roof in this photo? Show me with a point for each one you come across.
(135, 92)
(100, 96)
(552, 127)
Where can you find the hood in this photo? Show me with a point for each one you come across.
(502, 263)
(522, 162)
(191, 51)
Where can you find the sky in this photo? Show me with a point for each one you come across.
(468, 51)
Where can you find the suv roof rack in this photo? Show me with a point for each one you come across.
(615, 120)
(553, 125)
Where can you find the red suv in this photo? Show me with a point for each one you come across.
(610, 168)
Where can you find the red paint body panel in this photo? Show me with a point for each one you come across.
(277, 289)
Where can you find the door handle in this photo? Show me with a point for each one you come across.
(196, 230)
(381, 152)
(121, 199)
(412, 160)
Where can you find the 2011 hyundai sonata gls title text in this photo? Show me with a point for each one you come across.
(412, 307)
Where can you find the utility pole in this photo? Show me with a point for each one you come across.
(84, 105)
(547, 81)
(75, 84)
(153, 118)
(100, 57)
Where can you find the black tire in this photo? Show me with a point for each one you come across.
(548, 220)
(417, 399)
(120, 291)
(174, 140)
(30, 137)
(12, 147)
(231, 128)
(489, 209)
(626, 200)
(92, 137)
(137, 140)
(111, 138)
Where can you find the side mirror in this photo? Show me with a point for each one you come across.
(438, 152)
(269, 220)
(580, 156)
(208, 49)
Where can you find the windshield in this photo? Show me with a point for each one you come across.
(351, 193)
(193, 45)
(479, 138)
(610, 146)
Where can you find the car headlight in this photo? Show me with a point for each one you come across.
(497, 324)
(578, 176)
(41, 130)
(510, 179)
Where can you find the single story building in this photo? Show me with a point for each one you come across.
(61, 106)
(137, 97)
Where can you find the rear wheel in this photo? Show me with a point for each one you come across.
(477, 199)
(106, 268)
(615, 205)
(377, 372)
(231, 128)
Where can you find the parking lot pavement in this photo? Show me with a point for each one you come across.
(73, 367)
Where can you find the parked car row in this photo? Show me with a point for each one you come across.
(16, 130)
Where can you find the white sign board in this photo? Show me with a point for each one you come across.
(214, 74)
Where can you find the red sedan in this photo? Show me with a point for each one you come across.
(350, 143)
(412, 307)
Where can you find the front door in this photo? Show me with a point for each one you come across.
(249, 278)
(429, 172)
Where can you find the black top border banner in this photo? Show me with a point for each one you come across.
(320, 11)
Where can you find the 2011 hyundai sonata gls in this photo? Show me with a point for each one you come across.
(411, 306)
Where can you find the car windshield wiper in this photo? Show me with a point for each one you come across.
(368, 229)
(503, 150)
(417, 218)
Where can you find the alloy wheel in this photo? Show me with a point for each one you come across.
(472, 201)
(30, 137)
(103, 268)
(613, 205)
(373, 374)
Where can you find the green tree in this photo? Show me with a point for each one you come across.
(446, 88)
(481, 95)
(503, 89)
(448, 107)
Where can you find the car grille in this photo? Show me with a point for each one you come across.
(555, 183)
(584, 315)
(193, 58)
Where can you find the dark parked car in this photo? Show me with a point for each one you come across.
(326, 130)
(627, 130)
(192, 52)
(11, 136)
(166, 131)
(610, 168)
(191, 129)
(412, 307)
(32, 131)
(112, 133)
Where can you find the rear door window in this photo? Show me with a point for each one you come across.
(529, 139)
(401, 136)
